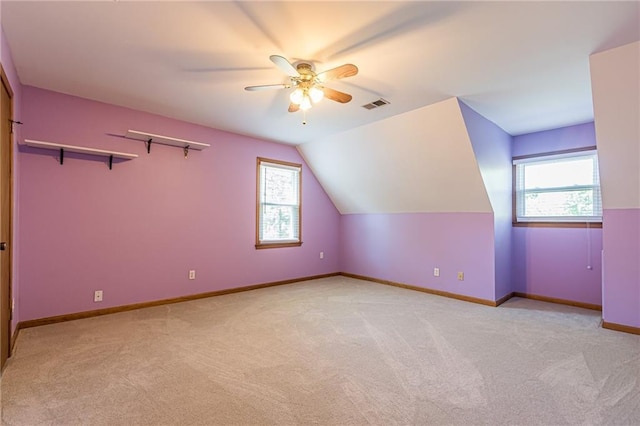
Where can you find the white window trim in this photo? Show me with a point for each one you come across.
(259, 204)
(541, 158)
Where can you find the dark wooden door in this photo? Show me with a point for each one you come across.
(5, 220)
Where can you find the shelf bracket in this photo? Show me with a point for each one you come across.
(14, 122)
(148, 144)
(61, 156)
(186, 151)
(110, 161)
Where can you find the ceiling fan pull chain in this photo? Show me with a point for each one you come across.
(304, 116)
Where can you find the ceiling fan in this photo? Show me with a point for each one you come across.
(309, 86)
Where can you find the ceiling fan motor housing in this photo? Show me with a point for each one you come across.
(307, 75)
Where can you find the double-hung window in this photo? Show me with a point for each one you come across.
(558, 188)
(278, 204)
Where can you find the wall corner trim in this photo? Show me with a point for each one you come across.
(584, 305)
(106, 311)
(423, 289)
(504, 298)
(14, 337)
(135, 306)
(621, 327)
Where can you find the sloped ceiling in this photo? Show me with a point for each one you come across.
(419, 161)
(521, 64)
(615, 78)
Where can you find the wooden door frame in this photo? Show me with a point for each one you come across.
(4, 80)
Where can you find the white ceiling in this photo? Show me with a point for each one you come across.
(420, 161)
(522, 65)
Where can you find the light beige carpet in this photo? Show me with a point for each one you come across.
(334, 351)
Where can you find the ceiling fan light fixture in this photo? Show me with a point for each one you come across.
(297, 96)
(306, 103)
(316, 94)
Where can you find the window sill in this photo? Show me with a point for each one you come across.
(557, 224)
(278, 245)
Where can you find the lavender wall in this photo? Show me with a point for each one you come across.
(622, 266)
(492, 148)
(553, 262)
(405, 247)
(135, 231)
(10, 70)
(563, 138)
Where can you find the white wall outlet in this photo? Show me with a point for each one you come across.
(460, 276)
(436, 272)
(192, 274)
(97, 296)
(321, 255)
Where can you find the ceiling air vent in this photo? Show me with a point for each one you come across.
(376, 104)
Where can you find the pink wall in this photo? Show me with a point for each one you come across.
(136, 230)
(553, 262)
(10, 70)
(621, 282)
(406, 247)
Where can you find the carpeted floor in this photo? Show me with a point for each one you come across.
(335, 351)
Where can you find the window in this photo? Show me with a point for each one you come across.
(278, 204)
(562, 187)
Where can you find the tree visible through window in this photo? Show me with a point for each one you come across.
(558, 188)
(278, 204)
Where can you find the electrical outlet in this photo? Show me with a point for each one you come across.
(192, 274)
(460, 276)
(321, 255)
(97, 296)
(436, 272)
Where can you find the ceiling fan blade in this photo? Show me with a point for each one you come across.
(293, 107)
(284, 65)
(267, 87)
(343, 71)
(337, 96)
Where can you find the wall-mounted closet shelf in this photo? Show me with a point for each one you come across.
(149, 138)
(81, 150)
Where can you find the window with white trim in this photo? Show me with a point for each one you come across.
(279, 206)
(558, 188)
